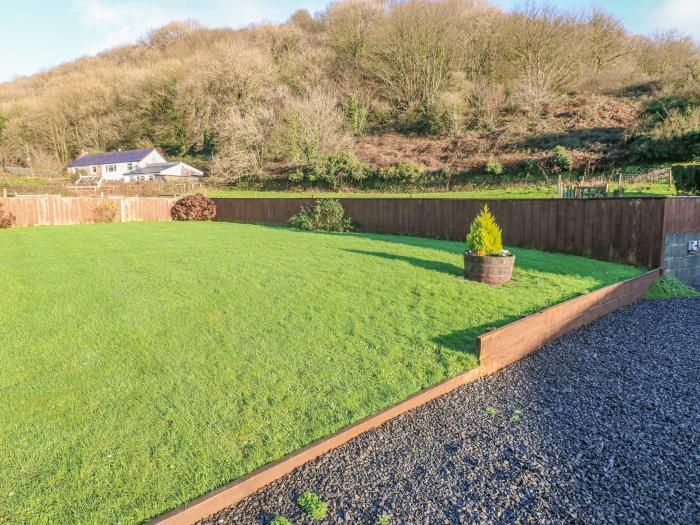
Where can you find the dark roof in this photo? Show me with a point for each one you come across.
(152, 168)
(111, 157)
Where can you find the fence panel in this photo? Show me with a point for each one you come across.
(620, 230)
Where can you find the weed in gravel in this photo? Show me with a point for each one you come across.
(491, 411)
(280, 520)
(670, 288)
(517, 414)
(312, 504)
(384, 519)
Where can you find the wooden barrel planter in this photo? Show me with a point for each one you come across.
(488, 269)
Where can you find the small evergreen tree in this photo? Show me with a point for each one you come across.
(484, 236)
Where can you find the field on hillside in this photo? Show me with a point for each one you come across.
(653, 189)
(144, 364)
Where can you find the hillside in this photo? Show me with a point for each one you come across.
(454, 85)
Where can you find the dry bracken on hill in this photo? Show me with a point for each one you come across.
(445, 83)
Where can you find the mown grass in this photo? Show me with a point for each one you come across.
(142, 365)
(515, 192)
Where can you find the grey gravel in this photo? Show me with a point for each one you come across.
(609, 433)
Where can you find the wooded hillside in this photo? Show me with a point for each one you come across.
(450, 84)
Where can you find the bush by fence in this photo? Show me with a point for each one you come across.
(687, 178)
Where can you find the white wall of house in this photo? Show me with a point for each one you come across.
(115, 172)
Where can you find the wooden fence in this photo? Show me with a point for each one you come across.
(50, 210)
(620, 230)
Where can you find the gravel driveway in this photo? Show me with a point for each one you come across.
(608, 431)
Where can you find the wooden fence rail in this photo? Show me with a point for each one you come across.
(620, 230)
(53, 210)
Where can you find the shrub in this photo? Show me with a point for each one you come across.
(678, 147)
(484, 236)
(326, 215)
(332, 171)
(312, 504)
(194, 208)
(403, 173)
(6, 219)
(687, 178)
(562, 159)
(493, 167)
(104, 212)
(280, 520)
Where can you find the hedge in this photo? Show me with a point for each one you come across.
(687, 177)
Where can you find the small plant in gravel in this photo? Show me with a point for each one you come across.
(312, 505)
(326, 215)
(384, 519)
(491, 411)
(194, 208)
(484, 236)
(517, 414)
(280, 520)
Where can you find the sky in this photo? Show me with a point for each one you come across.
(38, 34)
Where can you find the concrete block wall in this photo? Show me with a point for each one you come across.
(678, 262)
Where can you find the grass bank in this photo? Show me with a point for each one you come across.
(653, 189)
(144, 364)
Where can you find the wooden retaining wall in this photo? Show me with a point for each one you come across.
(620, 230)
(497, 348)
(55, 210)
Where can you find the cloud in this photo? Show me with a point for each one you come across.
(115, 23)
(683, 15)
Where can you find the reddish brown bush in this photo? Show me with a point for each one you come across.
(194, 208)
(6, 219)
(105, 212)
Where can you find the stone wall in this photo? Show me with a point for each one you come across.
(678, 262)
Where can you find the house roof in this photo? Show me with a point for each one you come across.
(111, 157)
(162, 166)
(152, 168)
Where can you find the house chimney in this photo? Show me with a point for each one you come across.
(83, 152)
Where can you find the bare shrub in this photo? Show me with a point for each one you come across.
(194, 208)
(6, 219)
(309, 127)
(487, 100)
(104, 212)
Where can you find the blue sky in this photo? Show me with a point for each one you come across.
(38, 34)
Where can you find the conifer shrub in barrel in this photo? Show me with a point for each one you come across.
(485, 260)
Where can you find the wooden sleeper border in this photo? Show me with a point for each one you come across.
(497, 349)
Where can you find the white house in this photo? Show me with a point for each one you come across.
(164, 172)
(125, 166)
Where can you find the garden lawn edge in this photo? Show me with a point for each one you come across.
(497, 349)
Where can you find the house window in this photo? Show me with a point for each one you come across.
(93, 169)
(129, 166)
(111, 168)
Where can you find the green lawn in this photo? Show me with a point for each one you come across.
(142, 365)
(651, 189)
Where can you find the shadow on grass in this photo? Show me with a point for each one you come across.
(426, 264)
(527, 259)
(464, 340)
